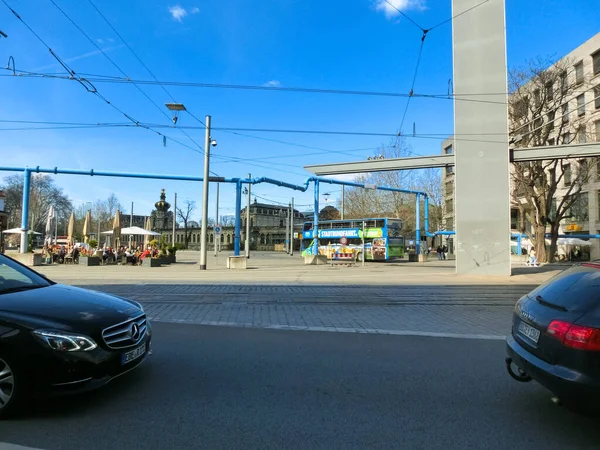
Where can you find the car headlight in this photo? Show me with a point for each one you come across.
(66, 342)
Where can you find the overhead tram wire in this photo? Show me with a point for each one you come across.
(118, 80)
(161, 110)
(458, 15)
(405, 16)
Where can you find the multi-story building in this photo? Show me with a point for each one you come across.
(561, 109)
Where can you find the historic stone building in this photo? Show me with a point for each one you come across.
(267, 227)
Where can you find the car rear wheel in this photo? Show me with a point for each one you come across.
(9, 388)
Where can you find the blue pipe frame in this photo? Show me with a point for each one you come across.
(239, 182)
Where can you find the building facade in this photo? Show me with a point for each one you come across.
(267, 227)
(547, 118)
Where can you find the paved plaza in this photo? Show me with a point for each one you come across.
(279, 292)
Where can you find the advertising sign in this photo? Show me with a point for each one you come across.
(349, 233)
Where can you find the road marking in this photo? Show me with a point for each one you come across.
(486, 337)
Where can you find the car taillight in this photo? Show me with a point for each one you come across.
(575, 336)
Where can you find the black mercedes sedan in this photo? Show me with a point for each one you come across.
(59, 339)
(555, 337)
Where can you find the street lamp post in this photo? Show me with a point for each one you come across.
(205, 182)
(248, 220)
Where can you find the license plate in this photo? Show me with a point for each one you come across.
(133, 354)
(529, 332)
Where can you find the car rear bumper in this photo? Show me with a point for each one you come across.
(562, 381)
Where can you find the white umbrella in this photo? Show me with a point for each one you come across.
(86, 226)
(573, 241)
(18, 231)
(71, 228)
(138, 231)
(117, 228)
(49, 219)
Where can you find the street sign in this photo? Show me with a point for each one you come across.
(217, 229)
(344, 240)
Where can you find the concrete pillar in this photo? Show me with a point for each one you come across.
(482, 169)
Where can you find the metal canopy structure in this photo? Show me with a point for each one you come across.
(437, 161)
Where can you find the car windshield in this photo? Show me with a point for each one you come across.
(15, 277)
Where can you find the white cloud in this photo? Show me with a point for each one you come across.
(177, 12)
(391, 9)
(273, 83)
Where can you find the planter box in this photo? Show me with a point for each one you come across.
(315, 260)
(236, 262)
(171, 258)
(413, 257)
(151, 262)
(422, 258)
(164, 260)
(89, 261)
(28, 259)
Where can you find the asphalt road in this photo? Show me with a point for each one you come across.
(213, 387)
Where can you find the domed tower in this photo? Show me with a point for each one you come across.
(161, 217)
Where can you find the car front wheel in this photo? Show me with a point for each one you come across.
(9, 388)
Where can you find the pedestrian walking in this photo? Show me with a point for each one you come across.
(445, 252)
(439, 252)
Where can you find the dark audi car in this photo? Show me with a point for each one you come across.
(61, 339)
(555, 336)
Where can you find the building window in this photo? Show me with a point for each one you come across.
(222, 238)
(449, 170)
(597, 97)
(551, 141)
(579, 210)
(596, 62)
(567, 174)
(565, 113)
(449, 206)
(449, 224)
(566, 138)
(563, 83)
(549, 91)
(581, 105)
(581, 135)
(448, 150)
(579, 72)
(449, 188)
(597, 133)
(551, 117)
(536, 97)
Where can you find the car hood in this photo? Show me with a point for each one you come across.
(67, 308)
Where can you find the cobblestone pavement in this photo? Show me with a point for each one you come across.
(481, 312)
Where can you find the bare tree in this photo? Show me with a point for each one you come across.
(545, 192)
(185, 215)
(43, 193)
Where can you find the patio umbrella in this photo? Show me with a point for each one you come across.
(49, 219)
(148, 227)
(87, 223)
(117, 229)
(71, 228)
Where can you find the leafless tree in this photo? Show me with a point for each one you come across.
(545, 192)
(43, 193)
(185, 215)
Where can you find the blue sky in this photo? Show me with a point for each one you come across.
(355, 45)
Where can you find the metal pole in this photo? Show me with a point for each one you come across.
(56, 228)
(238, 220)
(287, 229)
(418, 225)
(25, 211)
(215, 235)
(174, 219)
(98, 231)
(205, 196)
(316, 220)
(364, 254)
(131, 224)
(342, 208)
(248, 220)
(292, 230)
